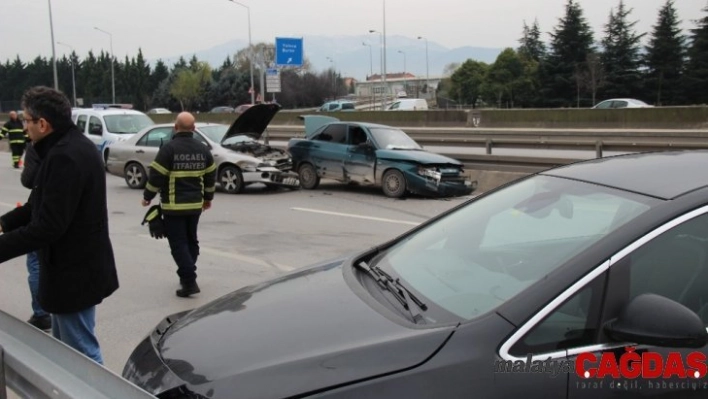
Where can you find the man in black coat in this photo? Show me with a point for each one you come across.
(66, 219)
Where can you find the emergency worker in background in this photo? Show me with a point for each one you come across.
(184, 174)
(14, 132)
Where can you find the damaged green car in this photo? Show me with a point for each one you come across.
(373, 155)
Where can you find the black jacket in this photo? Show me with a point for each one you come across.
(185, 175)
(31, 164)
(66, 219)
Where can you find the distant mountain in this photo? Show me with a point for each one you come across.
(351, 58)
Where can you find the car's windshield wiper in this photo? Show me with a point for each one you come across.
(401, 293)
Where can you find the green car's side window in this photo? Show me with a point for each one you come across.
(335, 133)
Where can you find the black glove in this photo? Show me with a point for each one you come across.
(153, 218)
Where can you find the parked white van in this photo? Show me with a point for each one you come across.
(105, 126)
(409, 104)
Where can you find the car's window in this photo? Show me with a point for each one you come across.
(127, 123)
(638, 102)
(334, 133)
(81, 122)
(156, 137)
(333, 107)
(393, 139)
(673, 265)
(95, 126)
(478, 257)
(604, 105)
(395, 105)
(347, 106)
(619, 104)
(214, 132)
(357, 135)
(571, 325)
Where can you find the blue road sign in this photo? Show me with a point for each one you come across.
(288, 51)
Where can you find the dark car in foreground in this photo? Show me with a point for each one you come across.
(500, 297)
(373, 155)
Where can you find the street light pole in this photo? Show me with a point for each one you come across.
(427, 76)
(371, 73)
(371, 61)
(54, 56)
(73, 76)
(250, 53)
(405, 80)
(113, 75)
(383, 98)
(384, 54)
(334, 77)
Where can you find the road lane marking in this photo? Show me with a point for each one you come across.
(236, 256)
(349, 215)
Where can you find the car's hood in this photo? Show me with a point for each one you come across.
(253, 121)
(314, 122)
(423, 157)
(300, 333)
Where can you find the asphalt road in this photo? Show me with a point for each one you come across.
(245, 239)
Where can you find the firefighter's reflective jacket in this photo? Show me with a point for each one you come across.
(184, 174)
(14, 132)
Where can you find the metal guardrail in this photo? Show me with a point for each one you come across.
(598, 141)
(35, 365)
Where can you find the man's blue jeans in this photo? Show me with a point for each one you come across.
(33, 280)
(77, 331)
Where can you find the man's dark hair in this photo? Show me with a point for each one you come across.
(52, 105)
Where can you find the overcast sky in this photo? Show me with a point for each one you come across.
(165, 28)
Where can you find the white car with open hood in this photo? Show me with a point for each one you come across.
(240, 158)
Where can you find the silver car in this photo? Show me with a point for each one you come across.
(240, 158)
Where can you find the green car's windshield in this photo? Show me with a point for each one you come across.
(476, 258)
(214, 132)
(127, 123)
(393, 139)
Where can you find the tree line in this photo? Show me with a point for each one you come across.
(572, 70)
(187, 85)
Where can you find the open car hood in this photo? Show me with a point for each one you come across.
(253, 121)
(314, 122)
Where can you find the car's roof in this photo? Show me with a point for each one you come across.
(665, 175)
(111, 111)
(197, 125)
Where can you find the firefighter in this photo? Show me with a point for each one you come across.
(14, 131)
(184, 174)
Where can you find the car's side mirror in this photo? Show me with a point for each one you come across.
(652, 319)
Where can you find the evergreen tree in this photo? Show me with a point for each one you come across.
(140, 72)
(563, 69)
(697, 68)
(664, 58)
(531, 45)
(620, 57)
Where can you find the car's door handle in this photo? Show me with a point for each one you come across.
(139, 152)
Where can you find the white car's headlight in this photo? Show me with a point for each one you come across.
(249, 167)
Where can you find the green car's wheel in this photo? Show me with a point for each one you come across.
(308, 177)
(393, 184)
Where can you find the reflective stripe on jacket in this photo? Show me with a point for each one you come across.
(184, 173)
(14, 131)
